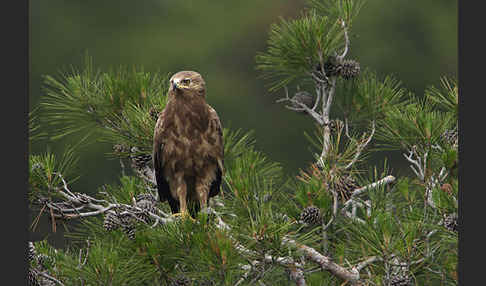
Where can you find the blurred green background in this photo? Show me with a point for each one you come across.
(414, 40)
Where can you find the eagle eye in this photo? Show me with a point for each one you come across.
(186, 81)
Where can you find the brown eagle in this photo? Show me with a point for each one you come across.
(188, 146)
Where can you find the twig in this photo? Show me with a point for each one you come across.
(297, 275)
(330, 95)
(346, 41)
(318, 95)
(357, 192)
(325, 262)
(95, 206)
(47, 276)
(361, 146)
(301, 107)
(418, 167)
(386, 180)
(365, 263)
(317, 79)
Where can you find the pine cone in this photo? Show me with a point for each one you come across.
(311, 215)
(141, 160)
(305, 98)
(42, 260)
(451, 137)
(401, 280)
(154, 113)
(120, 148)
(181, 281)
(450, 222)
(127, 225)
(145, 197)
(147, 203)
(129, 231)
(31, 251)
(400, 274)
(111, 221)
(32, 278)
(349, 69)
(345, 187)
(46, 282)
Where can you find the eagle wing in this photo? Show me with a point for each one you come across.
(159, 163)
(216, 133)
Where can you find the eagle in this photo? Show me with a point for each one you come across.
(188, 147)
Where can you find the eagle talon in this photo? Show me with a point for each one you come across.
(184, 215)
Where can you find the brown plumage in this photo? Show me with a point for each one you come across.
(188, 146)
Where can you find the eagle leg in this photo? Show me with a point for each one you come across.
(202, 195)
(182, 195)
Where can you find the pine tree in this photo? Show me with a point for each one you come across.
(338, 221)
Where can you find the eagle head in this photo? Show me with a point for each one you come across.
(187, 83)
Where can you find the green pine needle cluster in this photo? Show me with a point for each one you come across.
(418, 122)
(294, 46)
(369, 96)
(91, 101)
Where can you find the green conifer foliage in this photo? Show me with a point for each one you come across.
(339, 221)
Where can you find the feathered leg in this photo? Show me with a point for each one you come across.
(181, 192)
(202, 191)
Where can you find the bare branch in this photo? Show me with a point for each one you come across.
(318, 94)
(386, 180)
(317, 79)
(365, 263)
(346, 41)
(297, 275)
(301, 107)
(325, 262)
(417, 166)
(330, 95)
(47, 276)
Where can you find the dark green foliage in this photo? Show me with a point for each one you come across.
(45, 171)
(446, 97)
(90, 100)
(347, 9)
(294, 46)
(416, 123)
(368, 96)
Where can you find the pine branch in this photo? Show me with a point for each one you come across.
(327, 264)
(346, 41)
(47, 276)
(419, 165)
(88, 206)
(297, 274)
(301, 107)
(357, 192)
